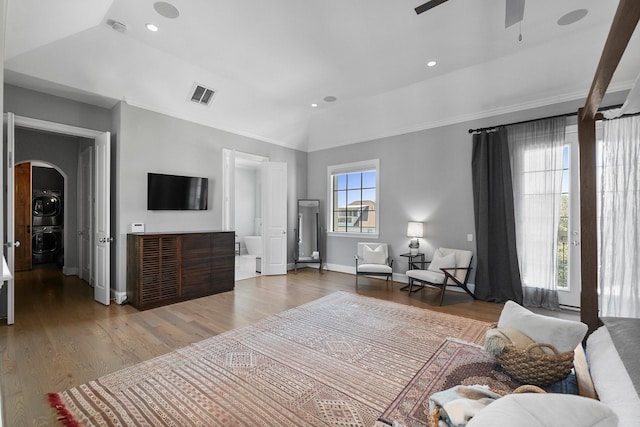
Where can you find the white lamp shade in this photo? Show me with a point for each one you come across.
(415, 229)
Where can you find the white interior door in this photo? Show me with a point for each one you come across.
(10, 243)
(102, 239)
(85, 209)
(274, 218)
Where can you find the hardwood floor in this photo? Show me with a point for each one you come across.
(62, 338)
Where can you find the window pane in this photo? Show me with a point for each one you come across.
(354, 180)
(369, 179)
(354, 197)
(339, 199)
(369, 195)
(339, 221)
(339, 182)
(565, 181)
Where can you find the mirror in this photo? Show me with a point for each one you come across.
(308, 233)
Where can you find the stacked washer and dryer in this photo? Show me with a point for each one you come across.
(47, 227)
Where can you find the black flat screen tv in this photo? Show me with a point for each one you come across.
(176, 193)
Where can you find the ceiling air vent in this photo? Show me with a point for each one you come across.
(202, 95)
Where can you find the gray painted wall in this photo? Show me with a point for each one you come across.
(424, 176)
(38, 105)
(153, 142)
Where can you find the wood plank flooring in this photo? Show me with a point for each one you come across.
(62, 338)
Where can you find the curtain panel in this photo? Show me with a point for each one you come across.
(497, 273)
(618, 218)
(536, 153)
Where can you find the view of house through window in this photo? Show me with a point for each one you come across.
(354, 199)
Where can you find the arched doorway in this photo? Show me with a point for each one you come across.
(40, 215)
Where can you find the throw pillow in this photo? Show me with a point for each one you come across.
(373, 256)
(545, 410)
(442, 261)
(564, 335)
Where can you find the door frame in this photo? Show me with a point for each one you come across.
(45, 126)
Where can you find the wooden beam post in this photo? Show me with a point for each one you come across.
(588, 222)
(622, 27)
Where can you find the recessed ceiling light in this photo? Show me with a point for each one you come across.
(151, 27)
(431, 64)
(314, 105)
(330, 98)
(572, 17)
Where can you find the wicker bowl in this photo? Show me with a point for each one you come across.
(529, 367)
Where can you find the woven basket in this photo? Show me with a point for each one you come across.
(535, 368)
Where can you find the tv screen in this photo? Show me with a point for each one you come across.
(176, 193)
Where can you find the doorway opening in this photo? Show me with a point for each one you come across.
(40, 215)
(242, 210)
(61, 146)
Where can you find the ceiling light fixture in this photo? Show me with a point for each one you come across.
(330, 98)
(572, 17)
(152, 27)
(431, 64)
(314, 105)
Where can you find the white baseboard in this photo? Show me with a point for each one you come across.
(70, 271)
(120, 297)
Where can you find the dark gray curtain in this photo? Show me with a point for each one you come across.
(497, 273)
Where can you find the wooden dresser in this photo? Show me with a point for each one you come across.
(164, 268)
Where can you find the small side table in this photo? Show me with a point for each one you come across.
(414, 261)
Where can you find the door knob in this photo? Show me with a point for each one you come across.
(15, 244)
(106, 239)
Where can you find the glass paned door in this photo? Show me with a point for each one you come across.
(569, 279)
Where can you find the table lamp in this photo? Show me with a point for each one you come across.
(415, 230)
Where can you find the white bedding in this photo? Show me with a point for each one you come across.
(611, 380)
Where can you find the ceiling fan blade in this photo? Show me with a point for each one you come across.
(429, 5)
(514, 12)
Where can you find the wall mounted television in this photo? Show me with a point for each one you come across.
(176, 193)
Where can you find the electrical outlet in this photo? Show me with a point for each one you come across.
(469, 237)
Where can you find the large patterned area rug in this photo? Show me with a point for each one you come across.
(340, 360)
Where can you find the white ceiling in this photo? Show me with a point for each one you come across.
(270, 60)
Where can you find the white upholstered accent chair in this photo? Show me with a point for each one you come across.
(373, 260)
(447, 267)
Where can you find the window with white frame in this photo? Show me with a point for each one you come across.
(353, 198)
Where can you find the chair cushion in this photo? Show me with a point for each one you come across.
(442, 261)
(374, 268)
(427, 276)
(373, 255)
